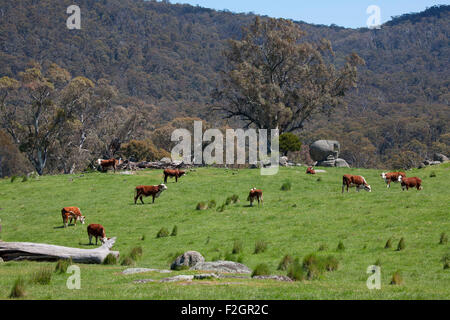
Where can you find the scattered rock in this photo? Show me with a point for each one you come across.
(223, 267)
(178, 278)
(144, 281)
(187, 259)
(166, 160)
(277, 278)
(206, 276)
(283, 161)
(1, 260)
(143, 270)
(435, 163)
(341, 163)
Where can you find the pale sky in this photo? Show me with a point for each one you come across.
(346, 13)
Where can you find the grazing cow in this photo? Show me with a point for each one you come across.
(410, 183)
(105, 164)
(392, 177)
(255, 194)
(97, 231)
(358, 181)
(310, 170)
(173, 173)
(72, 213)
(146, 191)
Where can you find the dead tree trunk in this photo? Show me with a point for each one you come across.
(17, 251)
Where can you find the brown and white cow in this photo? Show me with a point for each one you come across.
(72, 213)
(146, 191)
(413, 182)
(97, 231)
(255, 194)
(105, 164)
(310, 170)
(349, 180)
(173, 173)
(392, 177)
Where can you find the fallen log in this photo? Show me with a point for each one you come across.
(17, 251)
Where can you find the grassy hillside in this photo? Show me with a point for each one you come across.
(295, 222)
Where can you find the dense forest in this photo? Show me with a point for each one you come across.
(157, 64)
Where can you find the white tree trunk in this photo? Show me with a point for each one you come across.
(16, 251)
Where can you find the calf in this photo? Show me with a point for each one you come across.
(173, 173)
(97, 231)
(146, 191)
(255, 194)
(72, 213)
(105, 164)
(410, 183)
(310, 170)
(392, 177)
(358, 181)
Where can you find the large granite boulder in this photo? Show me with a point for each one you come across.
(440, 157)
(222, 267)
(322, 149)
(341, 163)
(187, 259)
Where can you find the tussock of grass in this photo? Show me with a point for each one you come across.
(446, 261)
(13, 178)
(401, 245)
(377, 263)
(443, 239)
(433, 174)
(397, 278)
(285, 263)
(260, 246)
(18, 289)
(43, 276)
(62, 265)
(261, 269)
(162, 233)
(295, 271)
(388, 244)
(323, 247)
(202, 206)
(237, 247)
(331, 263)
(128, 261)
(110, 259)
(136, 253)
(174, 231)
(340, 246)
(212, 204)
(286, 186)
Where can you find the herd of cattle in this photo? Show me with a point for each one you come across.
(70, 214)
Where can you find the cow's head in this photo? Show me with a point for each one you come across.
(103, 240)
(181, 173)
(400, 178)
(368, 188)
(82, 219)
(383, 175)
(99, 161)
(162, 187)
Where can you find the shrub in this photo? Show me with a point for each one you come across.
(42, 276)
(237, 247)
(433, 174)
(162, 233)
(295, 271)
(110, 259)
(340, 246)
(202, 206)
(212, 204)
(331, 263)
(25, 178)
(136, 253)
(62, 265)
(260, 246)
(143, 237)
(261, 270)
(397, 278)
(401, 245)
(388, 244)
(221, 208)
(443, 239)
(286, 186)
(285, 262)
(234, 198)
(13, 178)
(174, 231)
(18, 289)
